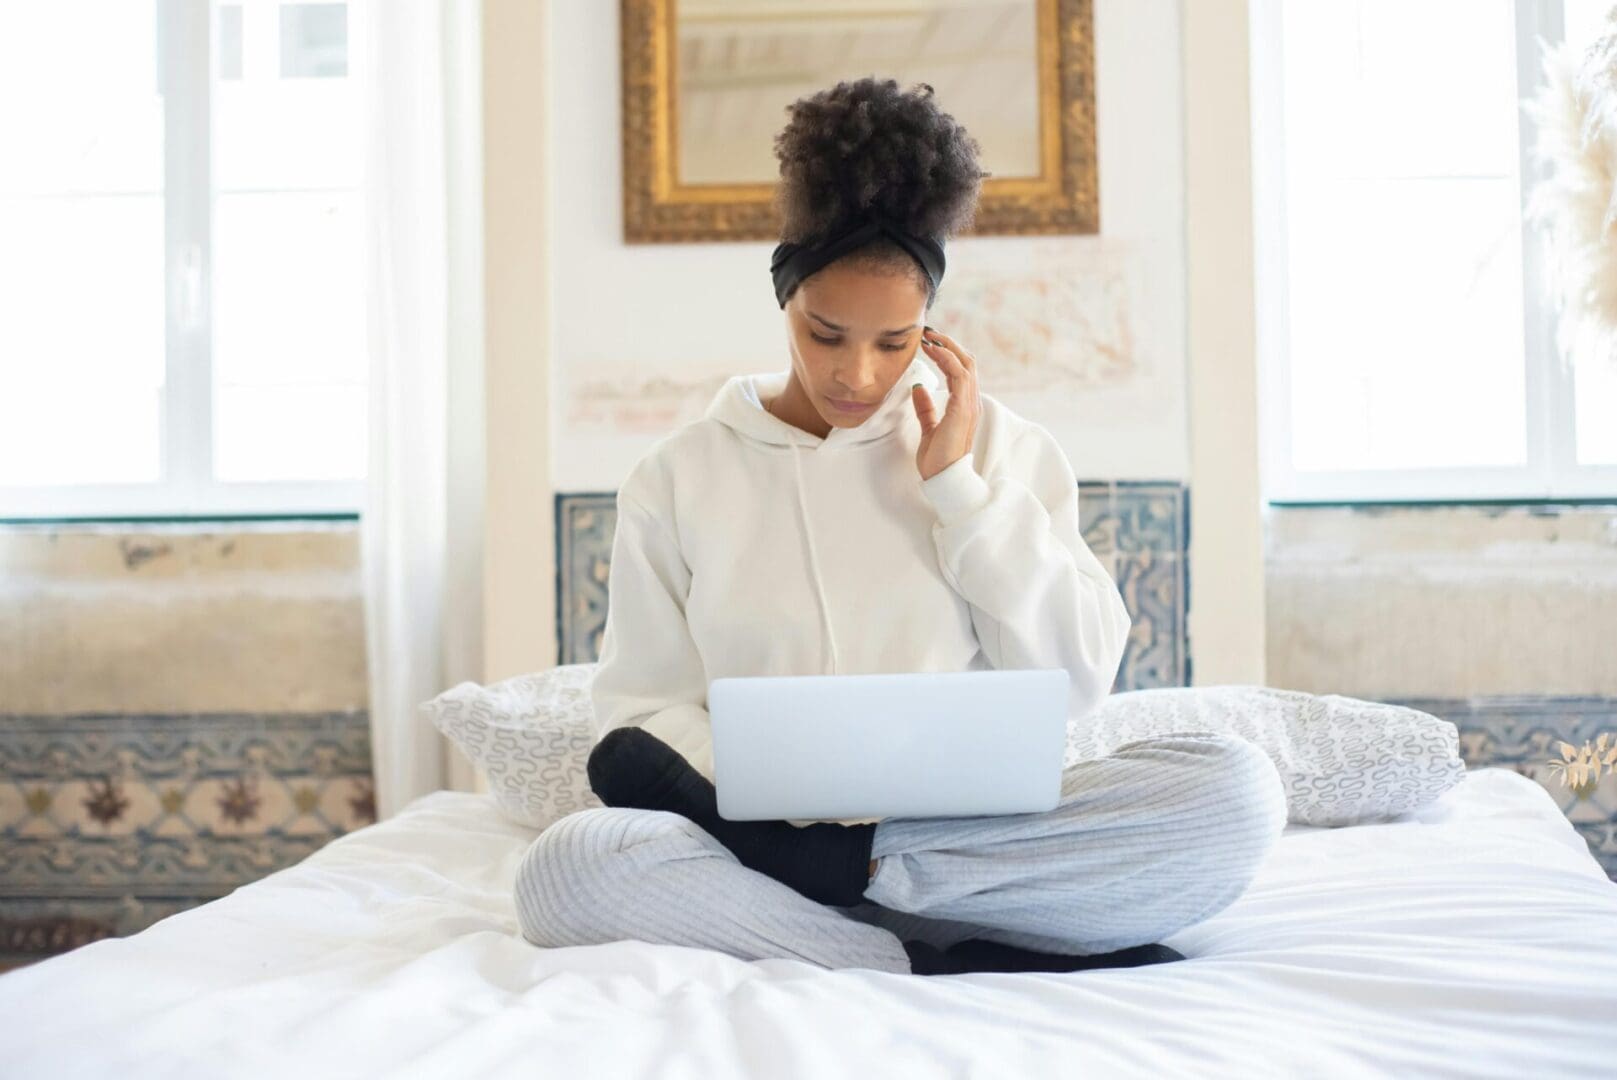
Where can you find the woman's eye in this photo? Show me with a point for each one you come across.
(838, 341)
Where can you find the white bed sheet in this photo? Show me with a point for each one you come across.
(1475, 938)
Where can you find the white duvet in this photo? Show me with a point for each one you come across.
(1477, 937)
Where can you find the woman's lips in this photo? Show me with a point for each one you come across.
(850, 406)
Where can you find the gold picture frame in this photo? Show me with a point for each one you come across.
(658, 209)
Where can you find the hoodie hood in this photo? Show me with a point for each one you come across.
(739, 406)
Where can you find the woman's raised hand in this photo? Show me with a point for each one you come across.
(945, 441)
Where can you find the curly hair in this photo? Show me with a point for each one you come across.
(867, 144)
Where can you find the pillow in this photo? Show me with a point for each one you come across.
(532, 735)
(1341, 760)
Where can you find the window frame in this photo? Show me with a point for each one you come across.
(187, 58)
(1551, 471)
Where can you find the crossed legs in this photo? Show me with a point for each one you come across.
(1155, 837)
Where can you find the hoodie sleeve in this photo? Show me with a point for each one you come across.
(649, 672)
(1009, 544)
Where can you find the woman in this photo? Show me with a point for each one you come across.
(833, 519)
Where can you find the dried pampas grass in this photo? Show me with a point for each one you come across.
(1575, 204)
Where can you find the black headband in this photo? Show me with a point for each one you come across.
(791, 263)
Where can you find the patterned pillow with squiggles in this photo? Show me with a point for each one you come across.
(1341, 760)
(532, 735)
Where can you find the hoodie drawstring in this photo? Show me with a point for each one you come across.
(814, 564)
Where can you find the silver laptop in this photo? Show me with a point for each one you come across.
(941, 744)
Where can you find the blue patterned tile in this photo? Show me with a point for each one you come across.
(1520, 733)
(1152, 516)
(110, 822)
(1097, 516)
(1152, 531)
(1152, 588)
(584, 527)
(1138, 529)
(32, 930)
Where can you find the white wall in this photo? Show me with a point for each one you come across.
(1226, 620)
(643, 334)
(518, 600)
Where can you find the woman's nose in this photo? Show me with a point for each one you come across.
(858, 377)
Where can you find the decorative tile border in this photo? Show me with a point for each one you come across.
(1138, 529)
(585, 523)
(1520, 733)
(111, 822)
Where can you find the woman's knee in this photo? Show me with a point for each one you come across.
(1251, 787)
(1237, 808)
(1220, 772)
(578, 881)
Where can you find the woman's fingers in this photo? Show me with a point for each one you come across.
(962, 397)
(957, 427)
(966, 359)
(953, 368)
(959, 367)
(925, 411)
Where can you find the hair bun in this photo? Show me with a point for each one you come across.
(866, 144)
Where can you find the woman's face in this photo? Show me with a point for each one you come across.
(853, 332)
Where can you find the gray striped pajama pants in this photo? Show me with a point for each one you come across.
(1157, 836)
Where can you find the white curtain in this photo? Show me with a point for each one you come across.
(414, 639)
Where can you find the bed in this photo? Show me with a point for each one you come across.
(1476, 937)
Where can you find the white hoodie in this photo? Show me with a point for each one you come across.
(747, 546)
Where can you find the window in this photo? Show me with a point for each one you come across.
(1406, 333)
(182, 316)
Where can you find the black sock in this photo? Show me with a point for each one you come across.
(825, 861)
(977, 954)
